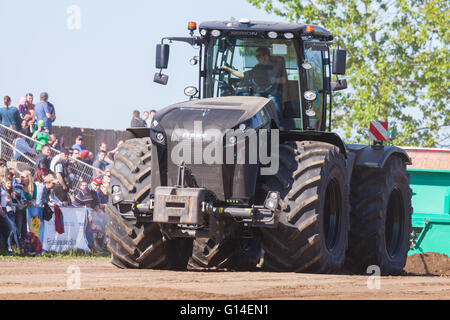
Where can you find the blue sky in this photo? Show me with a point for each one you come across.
(98, 74)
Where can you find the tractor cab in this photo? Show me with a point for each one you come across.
(288, 63)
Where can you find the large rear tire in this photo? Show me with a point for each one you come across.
(314, 219)
(380, 218)
(131, 244)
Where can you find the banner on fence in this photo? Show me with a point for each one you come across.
(83, 228)
(73, 237)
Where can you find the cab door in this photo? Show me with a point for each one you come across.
(315, 67)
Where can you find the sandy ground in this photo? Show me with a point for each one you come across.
(98, 279)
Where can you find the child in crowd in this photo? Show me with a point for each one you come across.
(42, 135)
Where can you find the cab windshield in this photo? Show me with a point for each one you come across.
(256, 67)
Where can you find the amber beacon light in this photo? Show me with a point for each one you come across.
(192, 26)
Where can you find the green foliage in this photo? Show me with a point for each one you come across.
(398, 63)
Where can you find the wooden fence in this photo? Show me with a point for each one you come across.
(92, 137)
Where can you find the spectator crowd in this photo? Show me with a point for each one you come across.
(53, 181)
(49, 187)
(142, 122)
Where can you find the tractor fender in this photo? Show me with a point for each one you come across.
(138, 133)
(322, 136)
(375, 157)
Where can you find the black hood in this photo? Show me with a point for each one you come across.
(221, 113)
(191, 119)
(194, 119)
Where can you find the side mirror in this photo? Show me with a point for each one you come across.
(161, 78)
(339, 61)
(339, 85)
(162, 56)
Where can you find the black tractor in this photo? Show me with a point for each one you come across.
(247, 172)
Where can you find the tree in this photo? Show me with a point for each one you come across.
(398, 63)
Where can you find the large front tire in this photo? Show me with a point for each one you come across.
(131, 244)
(314, 221)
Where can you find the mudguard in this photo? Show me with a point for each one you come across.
(375, 157)
(138, 133)
(322, 136)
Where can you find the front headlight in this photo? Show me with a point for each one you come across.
(158, 137)
(157, 134)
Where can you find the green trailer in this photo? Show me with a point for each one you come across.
(431, 216)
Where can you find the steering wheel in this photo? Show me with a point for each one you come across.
(260, 80)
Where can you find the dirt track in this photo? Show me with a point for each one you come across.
(47, 279)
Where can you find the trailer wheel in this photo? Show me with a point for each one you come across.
(380, 218)
(135, 245)
(314, 217)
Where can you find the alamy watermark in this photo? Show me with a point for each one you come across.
(73, 278)
(374, 280)
(239, 146)
(73, 21)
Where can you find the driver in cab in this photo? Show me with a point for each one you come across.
(265, 78)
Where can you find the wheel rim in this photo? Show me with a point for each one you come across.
(332, 214)
(394, 222)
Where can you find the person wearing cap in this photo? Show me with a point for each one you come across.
(79, 144)
(41, 135)
(84, 156)
(42, 112)
(87, 197)
(43, 190)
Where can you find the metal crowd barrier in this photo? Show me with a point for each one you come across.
(15, 146)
